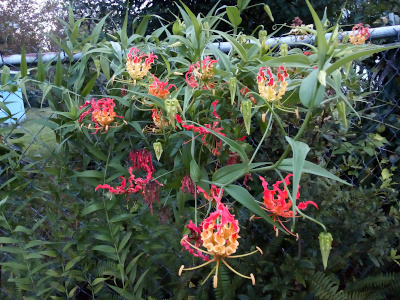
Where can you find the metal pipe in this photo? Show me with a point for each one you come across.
(376, 33)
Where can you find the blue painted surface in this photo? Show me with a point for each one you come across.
(15, 104)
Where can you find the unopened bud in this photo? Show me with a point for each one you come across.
(284, 49)
(269, 13)
(341, 108)
(172, 107)
(322, 77)
(246, 111)
(176, 44)
(206, 27)
(232, 83)
(325, 244)
(97, 65)
(158, 150)
(262, 34)
(345, 39)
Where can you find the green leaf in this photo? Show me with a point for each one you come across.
(294, 60)
(234, 15)
(337, 64)
(229, 173)
(300, 151)
(92, 208)
(243, 196)
(41, 72)
(5, 75)
(59, 72)
(321, 41)
(98, 29)
(7, 240)
(310, 97)
(89, 86)
(195, 22)
(89, 173)
(95, 151)
(124, 241)
(104, 248)
(24, 65)
(123, 31)
(235, 44)
(141, 30)
(105, 67)
(195, 172)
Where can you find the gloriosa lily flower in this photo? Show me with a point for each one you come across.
(138, 65)
(202, 71)
(160, 89)
(219, 235)
(141, 161)
(268, 88)
(103, 114)
(277, 203)
(359, 35)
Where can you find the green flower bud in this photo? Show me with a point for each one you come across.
(158, 150)
(246, 111)
(206, 27)
(262, 34)
(172, 107)
(284, 49)
(325, 244)
(269, 13)
(232, 83)
(341, 108)
(97, 65)
(345, 39)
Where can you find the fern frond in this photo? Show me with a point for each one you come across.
(324, 287)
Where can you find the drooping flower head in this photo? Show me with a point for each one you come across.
(103, 114)
(201, 71)
(138, 65)
(219, 234)
(160, 89)
(270, 89)
(359, 35)
(277, 202)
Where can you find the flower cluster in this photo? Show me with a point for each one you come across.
(359, 35)
(276, 200)
(138, 65)
(268, 88)
(203, 72)
(102, 111)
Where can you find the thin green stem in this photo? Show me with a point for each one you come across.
(262, 140)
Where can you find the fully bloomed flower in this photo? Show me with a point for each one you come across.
(102, 111)
(138, 64)
(201, 71)
(277, 202)
(219, 235)
(160, 89)
(268, 88)
(359, 35)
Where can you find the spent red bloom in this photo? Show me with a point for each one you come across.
(141, 161)
(103, 114)
(187, 185)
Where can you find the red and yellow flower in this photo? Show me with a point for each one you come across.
(276, 201)
(270, 89)
(359, 35)
(160, 89)
(219, 235)
(202, 72)
(103, 114)
(138, 65)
